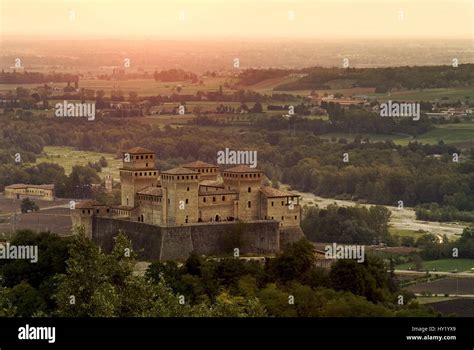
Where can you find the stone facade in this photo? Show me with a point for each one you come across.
(194, 202)
(20, 191)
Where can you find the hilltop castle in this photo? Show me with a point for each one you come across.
(194, 207)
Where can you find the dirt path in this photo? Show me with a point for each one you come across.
(402, 219)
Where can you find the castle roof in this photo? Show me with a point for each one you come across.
(179, 171)
(211, 183)
(271, 192)
(151, 191)
(18, 186)
(242, 169)
(199, 164)
(139, 150)
(123, 207)
(88, 204)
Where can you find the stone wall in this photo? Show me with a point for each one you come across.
(175, 243)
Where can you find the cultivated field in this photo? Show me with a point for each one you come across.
(53, 216)
(448, 285)
(461, 134)
(67, 157)
(445, 265)
(452, 94)
(462, 307)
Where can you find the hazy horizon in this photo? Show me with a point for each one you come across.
(236, 19)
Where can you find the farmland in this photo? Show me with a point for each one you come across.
(68, 157)
(444, 265)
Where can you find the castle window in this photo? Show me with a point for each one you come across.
(258, 175)
(142, 157)
(249, 204)
(97, 211)
(272, 203)
(282, 203)
(282, 218)
(154, 173)
(296, 217)
(140, 174)
(88, 211)
(213, 199)
(83, 211)
(187, 189)
(246, 175)
(151, 156)
(146, 165)
(249, 190)
(108, 210)
(241, 175)
(187, 201)
(272, 217)
(187, 177)
(223, 198)
(204, 199)
(146, 157)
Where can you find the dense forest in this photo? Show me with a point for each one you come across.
(73, 277)
(384, 79)
(376, 172)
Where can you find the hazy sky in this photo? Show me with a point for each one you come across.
(191, 19)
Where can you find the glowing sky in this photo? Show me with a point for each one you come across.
(238, 18)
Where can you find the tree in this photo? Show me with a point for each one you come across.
(296, 259)
(28, 205)
(26, 300)
(379, 220)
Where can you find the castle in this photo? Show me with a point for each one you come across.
(192, 201)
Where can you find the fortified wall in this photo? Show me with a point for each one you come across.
(176, 243)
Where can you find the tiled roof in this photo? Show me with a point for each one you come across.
(138, 150)
(123, 207)
(211, 183)
(198, 164)
(87, 204)
(151, 191)
(243, 169)
(18, 186)
(179, 171)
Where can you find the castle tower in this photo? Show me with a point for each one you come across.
(109, 183)
(138, 172)
(180, 188)
(207, 171)
(83, 212)
(247, 181)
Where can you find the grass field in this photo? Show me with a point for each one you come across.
(461, 134)
(67, 157)
(405, 233)
(444, 265)
(143, 87)
(453, 94)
